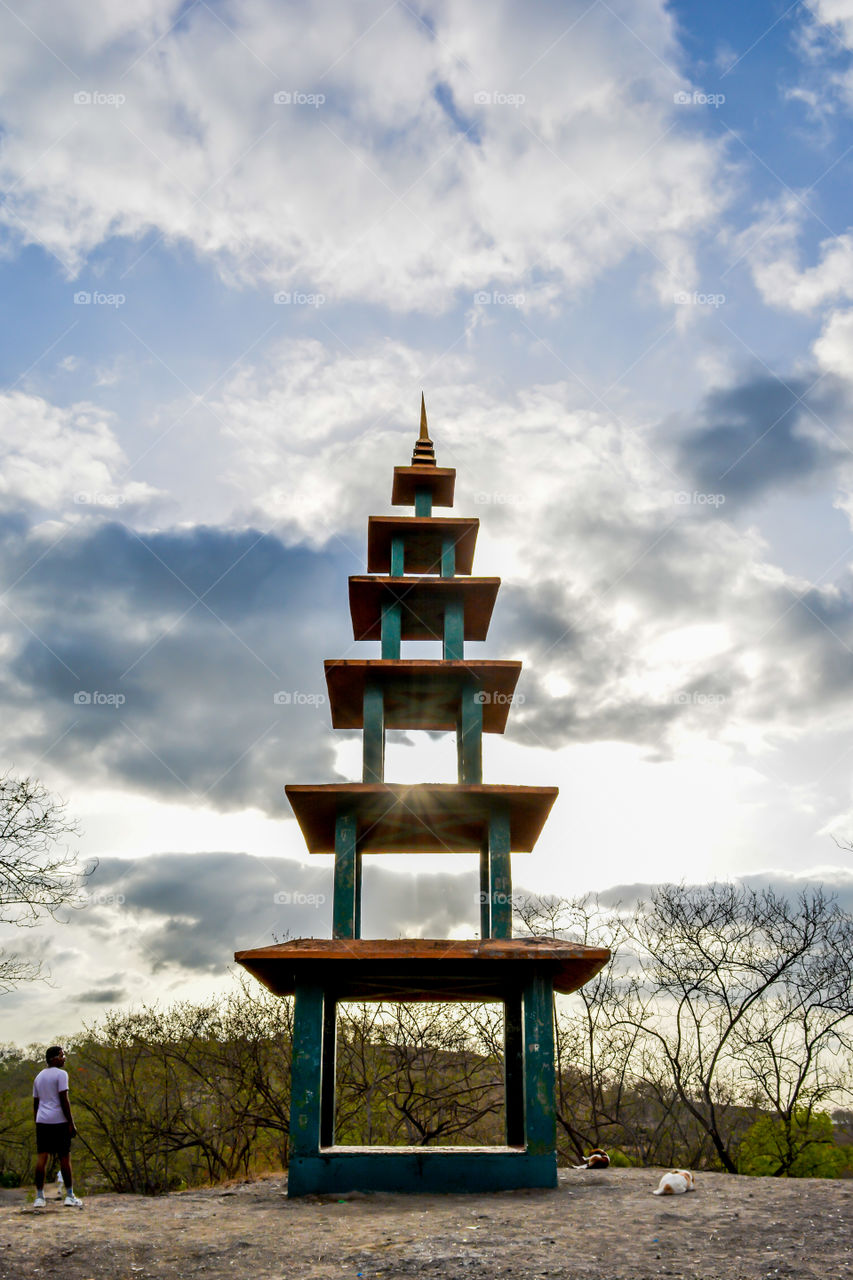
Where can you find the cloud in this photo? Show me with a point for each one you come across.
(155, 659)
(102, 995)
(490, 148)
(192, 911)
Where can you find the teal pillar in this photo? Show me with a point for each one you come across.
(306, 1071)
(392, 625)
(454, 631)
(539, 1081)
(398, 557)
(514, 1070)
(448, 557)
(485, 893)
(327, 1077)
(423, 502)
(345, 916)
(500, 872)
(469, 736)
(373, 736)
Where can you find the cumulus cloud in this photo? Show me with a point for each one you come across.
(490, 148)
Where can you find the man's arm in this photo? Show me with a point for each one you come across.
(66, 1108)
(35, 1107)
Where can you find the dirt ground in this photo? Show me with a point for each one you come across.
(603, 1224)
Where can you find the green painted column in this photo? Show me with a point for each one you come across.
(539, 1081)
(514, 1070)
(398, 557)
(423, 502)
(327, 1077)
(470, 735)
(500, 872)
(373, 736)
(306, 1070)
(392, 622)
(485, 893)
(344, 909)
(454, 631)
(448, 557)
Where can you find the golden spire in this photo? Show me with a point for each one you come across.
(424, 453)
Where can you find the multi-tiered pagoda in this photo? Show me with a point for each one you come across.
(419, 587)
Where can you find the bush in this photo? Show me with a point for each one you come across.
(799, 1146)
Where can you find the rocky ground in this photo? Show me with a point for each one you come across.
(605, 1225)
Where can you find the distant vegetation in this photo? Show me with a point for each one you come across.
(719, 1038)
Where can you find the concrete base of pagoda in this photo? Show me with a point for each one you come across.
(437, 1170)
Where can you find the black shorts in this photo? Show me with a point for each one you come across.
(55, 1139)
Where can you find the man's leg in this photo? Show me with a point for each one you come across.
(65, 1166)
(41, 1165)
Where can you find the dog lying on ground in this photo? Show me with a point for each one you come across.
(597, 1159)
(675, 1183)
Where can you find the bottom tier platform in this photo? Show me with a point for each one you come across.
(412, 1169)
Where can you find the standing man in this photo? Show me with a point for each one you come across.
(54, 1124)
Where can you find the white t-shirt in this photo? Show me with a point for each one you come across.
(47, 1087)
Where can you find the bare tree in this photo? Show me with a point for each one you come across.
(38, 873)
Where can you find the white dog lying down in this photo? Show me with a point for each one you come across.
(675, 1183)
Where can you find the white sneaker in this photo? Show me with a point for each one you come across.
(38, 1203)
(72, 1201)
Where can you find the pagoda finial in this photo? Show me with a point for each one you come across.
(424, 453)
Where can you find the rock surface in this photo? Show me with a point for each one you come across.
(605, 1225)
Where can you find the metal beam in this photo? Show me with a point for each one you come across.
(398, 558)
(448, 557)
(373, 737)
(392, 624)
(470, 735)
(423, 502)
(454, 631)
(514, 1070)
(327, 1079)
(500, 872)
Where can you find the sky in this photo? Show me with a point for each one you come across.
(610, 240)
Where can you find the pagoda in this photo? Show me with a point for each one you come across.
(419, 586)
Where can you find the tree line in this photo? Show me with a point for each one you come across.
(718, 1037)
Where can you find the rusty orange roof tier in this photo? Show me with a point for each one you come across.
(438, 481)
(421, 968)
(420, 693)
(428, 817)
(424, 536)
(423, 603)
